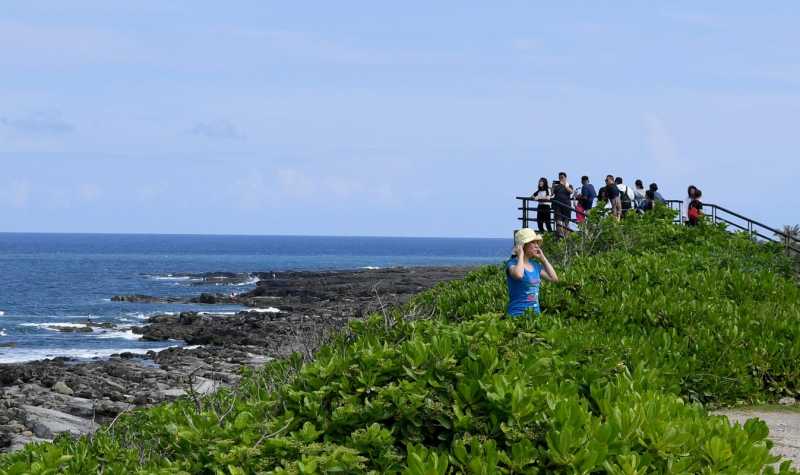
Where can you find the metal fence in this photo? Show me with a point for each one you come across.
(733, 221)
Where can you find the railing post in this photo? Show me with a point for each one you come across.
(524, 213)
(714, 214)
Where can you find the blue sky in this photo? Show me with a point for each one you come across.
(370, 118)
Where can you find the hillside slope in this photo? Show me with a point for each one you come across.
(652, 325)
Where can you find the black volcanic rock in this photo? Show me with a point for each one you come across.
(288, 312)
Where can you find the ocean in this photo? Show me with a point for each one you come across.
(61, 280)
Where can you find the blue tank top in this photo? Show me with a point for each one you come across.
(523, 294)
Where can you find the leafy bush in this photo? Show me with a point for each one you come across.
(651, 324)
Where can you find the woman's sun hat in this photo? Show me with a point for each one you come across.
(525, 235)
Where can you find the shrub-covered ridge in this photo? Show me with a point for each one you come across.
(651, 324)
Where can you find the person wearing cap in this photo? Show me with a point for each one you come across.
(524, 272)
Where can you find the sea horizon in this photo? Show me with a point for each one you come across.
(70, 233)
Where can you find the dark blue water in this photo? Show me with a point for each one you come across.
(63, 279)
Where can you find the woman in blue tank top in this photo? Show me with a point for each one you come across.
(524, 273)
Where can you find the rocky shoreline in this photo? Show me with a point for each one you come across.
(288, 312)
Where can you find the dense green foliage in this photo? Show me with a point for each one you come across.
(651, 324)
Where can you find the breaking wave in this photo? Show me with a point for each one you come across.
(53, 326)
(15, 355)
(265, 310)
(118, 334)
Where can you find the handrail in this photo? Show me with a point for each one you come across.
(525, 209)
(789, 241)
(552, 222)
(744, 218)
(678, 219)
(552, 200)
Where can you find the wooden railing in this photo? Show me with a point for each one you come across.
(716, 214)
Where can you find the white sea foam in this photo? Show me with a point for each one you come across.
(265, 310)
(125, 335)
(3, 332)
(20, 355)
(192, 347)
(53, 326)
(172, 277)
(250, 281)
(370, 267)
(2, 313)
(217, 313)
(145, 316)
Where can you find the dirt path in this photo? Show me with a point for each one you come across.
(784, 427)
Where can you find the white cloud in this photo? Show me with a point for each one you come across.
(57, 198)
(40, 123)
(89, 192)
(217, 129)
(384, 193)
(259, 190)
(695, 19)
(296, 183)
(662, 146)
(20, 194)
(342, 187)
(30, 44)
(16, 194)
(252, 191)
(151, 192)
(527, 45)
(308, 46)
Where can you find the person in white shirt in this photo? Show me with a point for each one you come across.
(626, 195)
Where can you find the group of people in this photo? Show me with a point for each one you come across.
(561, 197)
(528, 265)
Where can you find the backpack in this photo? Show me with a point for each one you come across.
(626, 199)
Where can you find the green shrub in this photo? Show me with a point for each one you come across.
(650, 325)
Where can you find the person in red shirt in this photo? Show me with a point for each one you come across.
(695, 210)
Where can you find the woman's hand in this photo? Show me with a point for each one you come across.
(549, 273)
(519, 251)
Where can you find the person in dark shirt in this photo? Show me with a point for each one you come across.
(588, 195)
(602, 196)
(690, 196)
(656, 195)
(649, 200)
(562, 202)
(542, 196)
(613, 195)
